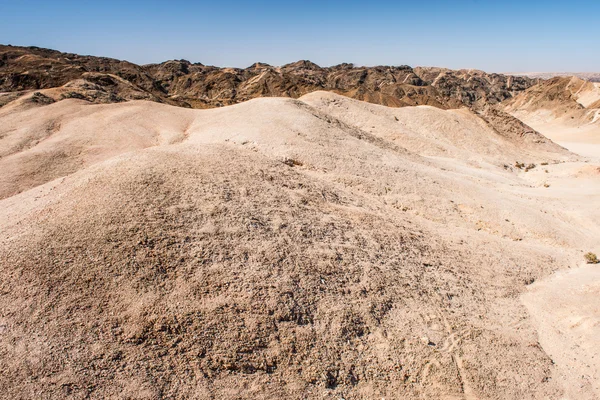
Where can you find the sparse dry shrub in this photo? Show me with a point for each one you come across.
(292, 162)
(591, 258)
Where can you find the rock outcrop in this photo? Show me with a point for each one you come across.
(182, 83)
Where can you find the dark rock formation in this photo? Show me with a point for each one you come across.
(180, 82)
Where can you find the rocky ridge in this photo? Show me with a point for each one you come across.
(186, 84)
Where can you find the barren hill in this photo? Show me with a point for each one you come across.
(565, 109)
(340, 232)
(182, 83)
(588, 76)
(319, 247)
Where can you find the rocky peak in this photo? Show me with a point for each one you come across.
(182, 83)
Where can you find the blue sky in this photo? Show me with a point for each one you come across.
(499, 36)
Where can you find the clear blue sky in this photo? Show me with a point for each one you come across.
(500, 36)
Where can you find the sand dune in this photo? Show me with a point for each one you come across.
(320, 247)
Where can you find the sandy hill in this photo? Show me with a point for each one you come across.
(319, 247)
(180, 82)
(60, 138)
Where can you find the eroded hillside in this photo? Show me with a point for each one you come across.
(565, 109)
(180, 82)
(318, 247)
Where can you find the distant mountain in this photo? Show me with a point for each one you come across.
(588, 76)
(564, 109)
(562, 95)
(182, 83)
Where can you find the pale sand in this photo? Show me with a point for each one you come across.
(320, 248)
(580, 134)
(566, 306)
(566, 309)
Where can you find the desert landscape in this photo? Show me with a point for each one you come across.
(178, 230)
